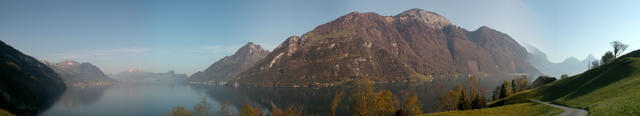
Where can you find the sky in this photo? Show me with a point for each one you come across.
(189, 35)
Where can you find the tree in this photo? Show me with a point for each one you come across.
(449, 101)
(413, 105)
(224, 110)
(478, 101)
(463, 102)
(202, 108)
(362, 100)
(290, 111)
(505, 89)
(178, 111)
(496, 93)
(336, 100)
(607, 57)
(520, 84)
(595, 64)
(514, 85)
(247, 110)
(383, 103)
(564, 76)
(618, 48)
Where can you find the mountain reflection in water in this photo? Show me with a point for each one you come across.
(156, 99)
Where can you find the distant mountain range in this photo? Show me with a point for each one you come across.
(80, 74)
(27, 86)
(411, 46)
(570, 66)
(230, 66)
(139, 76)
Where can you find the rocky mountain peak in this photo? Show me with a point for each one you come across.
(251, 49)
(572, 60)
(435, 20)
(67, 63)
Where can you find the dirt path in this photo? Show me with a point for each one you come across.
(567, 110)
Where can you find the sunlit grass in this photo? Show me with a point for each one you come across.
(611, 89)
(522, 109)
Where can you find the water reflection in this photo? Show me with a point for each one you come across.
(314, 100)
(82, 96)
(156, 99)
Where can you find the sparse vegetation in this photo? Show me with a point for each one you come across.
(178, 111)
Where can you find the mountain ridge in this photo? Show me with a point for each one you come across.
(570, 65)
(81, 74)
(387, 49)
(230, 66)
(27, 85)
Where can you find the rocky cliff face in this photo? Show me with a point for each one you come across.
(230, 66)
(81, 74)
(27, 86)
(413, 45)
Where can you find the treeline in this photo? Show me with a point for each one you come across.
(470, 95)
(507, 88)
(364, 101)
(465, 96)
(200, 109)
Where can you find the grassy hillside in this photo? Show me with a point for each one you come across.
(611, 89)
(522, 109)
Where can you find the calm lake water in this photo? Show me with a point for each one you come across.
(156, 99)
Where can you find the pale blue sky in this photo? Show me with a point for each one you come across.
(189, 35)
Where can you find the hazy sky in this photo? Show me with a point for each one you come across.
(187, 36)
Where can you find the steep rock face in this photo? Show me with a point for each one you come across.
(411, 46)
(27, 86)
(80, 74)
(230, 66)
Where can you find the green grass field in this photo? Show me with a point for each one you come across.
(522, 109)
(611, 89)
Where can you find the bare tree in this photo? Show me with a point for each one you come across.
(618, 47)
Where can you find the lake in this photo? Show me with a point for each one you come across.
(155, 99)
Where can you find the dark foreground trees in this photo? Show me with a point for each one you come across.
(366, 102)
(465, 96)
(200, 109)
(507, 88)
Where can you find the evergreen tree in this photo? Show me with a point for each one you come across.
(496, 93)
(505, 89)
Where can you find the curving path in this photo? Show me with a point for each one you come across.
(567, 110)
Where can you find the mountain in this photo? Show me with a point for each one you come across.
(230, 66)
(139, 76)
(609, 89)
(81, 74)
(411, 46)
(27, 86)
(570, 66)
